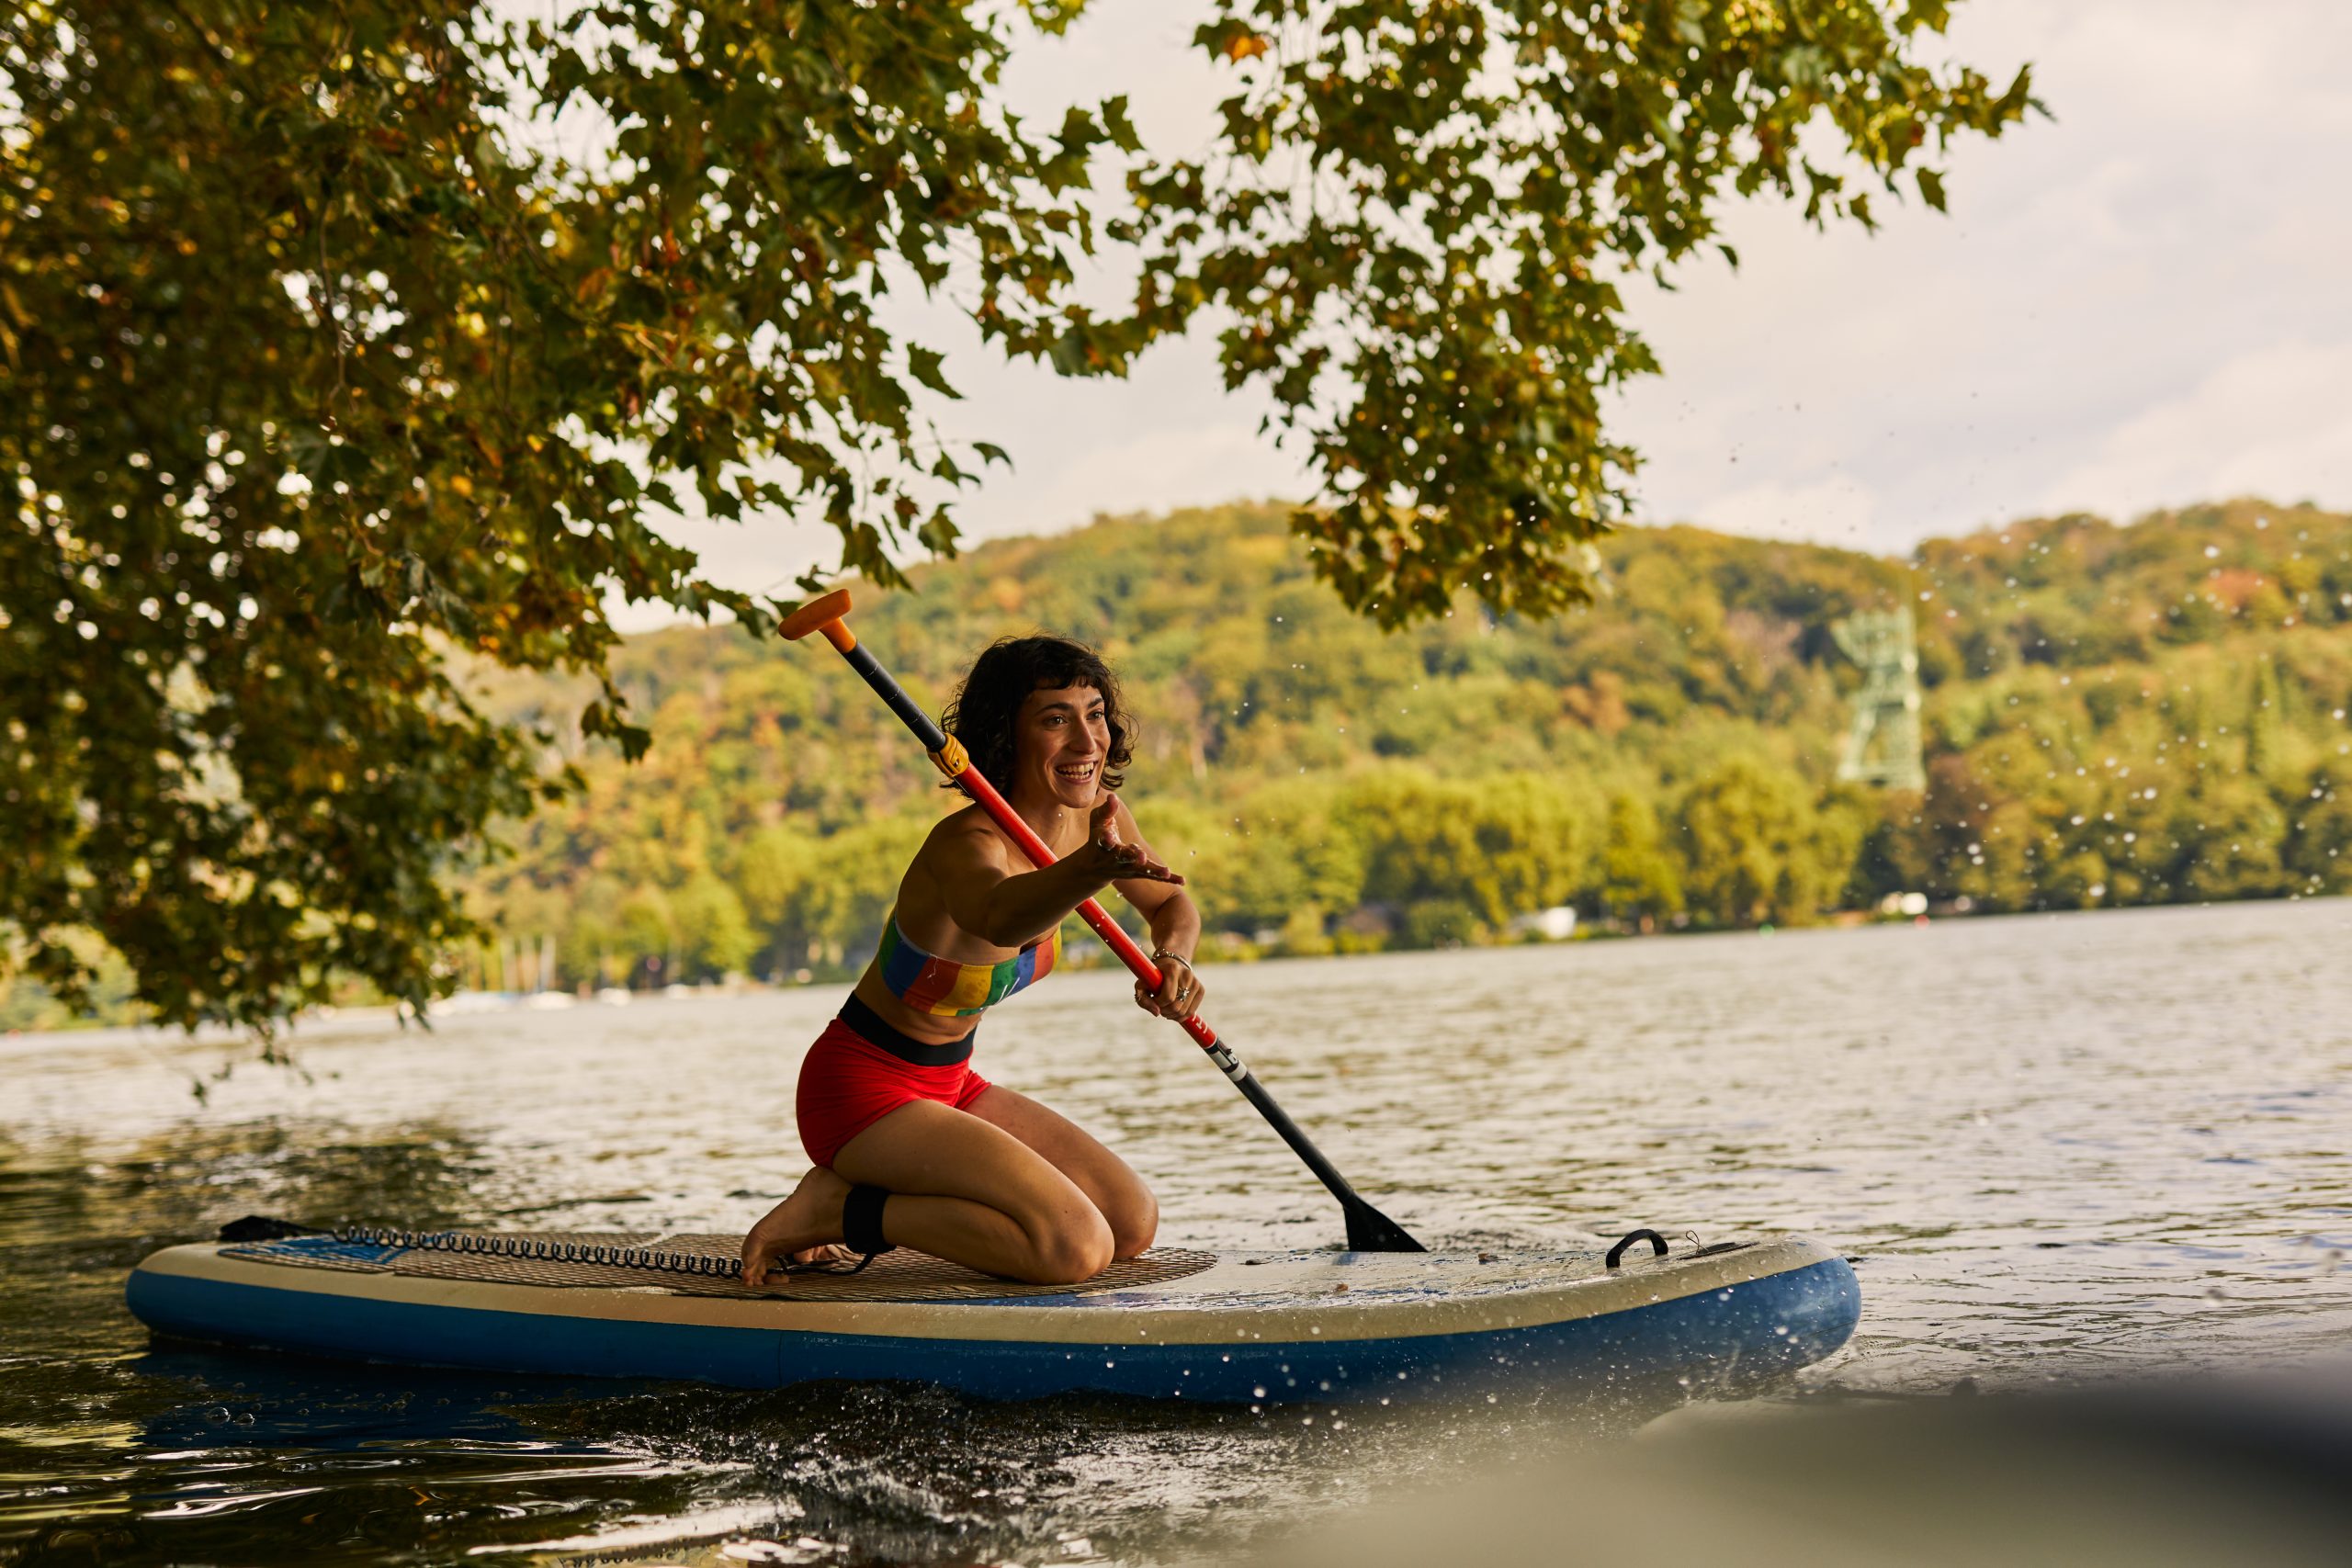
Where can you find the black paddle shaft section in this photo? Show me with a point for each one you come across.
(926, 729)
(1369, 1230)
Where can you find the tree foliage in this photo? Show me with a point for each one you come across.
(323, 365)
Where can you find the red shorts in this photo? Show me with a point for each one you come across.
(847, 1084)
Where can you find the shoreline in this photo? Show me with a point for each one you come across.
(1082, 954)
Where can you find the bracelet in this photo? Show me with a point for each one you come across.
(1164, 957)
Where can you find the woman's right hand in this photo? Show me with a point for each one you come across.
(1118, 858)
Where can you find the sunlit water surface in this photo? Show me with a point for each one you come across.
(2055, 1147)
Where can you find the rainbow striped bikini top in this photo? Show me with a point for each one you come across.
(949, 989)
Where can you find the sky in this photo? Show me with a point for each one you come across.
(2139, 303)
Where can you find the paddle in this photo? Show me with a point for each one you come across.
(1369, 1230)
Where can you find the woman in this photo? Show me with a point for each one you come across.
(912, 1147)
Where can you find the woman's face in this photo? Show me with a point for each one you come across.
(1061, 738)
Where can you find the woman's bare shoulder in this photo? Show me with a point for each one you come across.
(963, 850)
(961, 844)
(970, 825)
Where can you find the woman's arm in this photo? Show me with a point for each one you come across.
(1174, 919)
(1175, 922)
(971, 868)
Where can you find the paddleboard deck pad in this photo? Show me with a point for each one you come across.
(1268, 1327)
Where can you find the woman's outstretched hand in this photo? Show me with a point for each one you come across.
(1119, 859)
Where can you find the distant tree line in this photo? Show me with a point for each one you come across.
(2115, 716)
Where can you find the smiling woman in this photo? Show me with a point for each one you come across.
(911, 1144)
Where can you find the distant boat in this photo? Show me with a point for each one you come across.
(615, 996)
(550, 1001)
(476, 1001)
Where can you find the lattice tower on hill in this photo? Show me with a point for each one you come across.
(1883, 744)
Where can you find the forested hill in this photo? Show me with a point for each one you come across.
(2114, 714)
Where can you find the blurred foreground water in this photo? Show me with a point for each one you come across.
(2058, 1149)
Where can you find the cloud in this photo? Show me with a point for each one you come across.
(2169, 224)
(1834, 509)
(2276, 421)
(1162, 470)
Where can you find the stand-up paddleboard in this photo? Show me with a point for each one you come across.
(1169, 1324)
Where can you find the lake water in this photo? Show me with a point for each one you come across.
(2056, 1147)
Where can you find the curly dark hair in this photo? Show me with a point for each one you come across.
(1007, 670)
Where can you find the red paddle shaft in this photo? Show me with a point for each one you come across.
(1369, 1230)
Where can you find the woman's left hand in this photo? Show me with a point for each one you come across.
(1124, 859)
(1179, 992)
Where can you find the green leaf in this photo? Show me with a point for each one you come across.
(1121, 129)
(923, 364)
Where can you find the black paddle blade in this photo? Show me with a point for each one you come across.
(1369, 1230)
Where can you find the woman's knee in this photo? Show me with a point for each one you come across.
(1076, 1247)
(1134, 1220)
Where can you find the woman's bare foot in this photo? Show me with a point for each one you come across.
(801, 1229)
